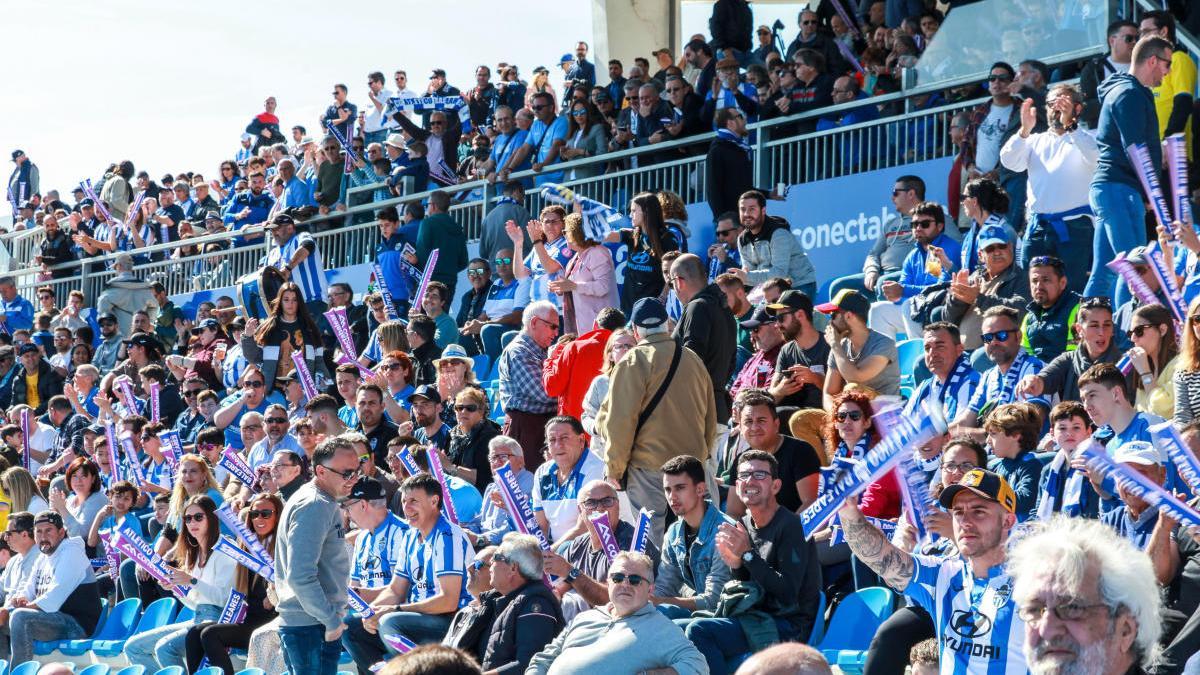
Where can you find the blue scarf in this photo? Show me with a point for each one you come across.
(1072, 494)
(958, 377)
(727, 135)
(1008, 386)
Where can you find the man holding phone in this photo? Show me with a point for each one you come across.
(800, 369)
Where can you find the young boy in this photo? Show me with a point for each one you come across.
(923, 658)
(1065, 485)
(121, 498)
(1012, 435)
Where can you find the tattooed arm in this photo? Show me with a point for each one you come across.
(871, 546)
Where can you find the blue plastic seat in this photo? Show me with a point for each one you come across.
(818, 631)
(133, 670)
(41, 648)
(251, 671)
(100, 668)
(119, 626)
(910, 352)
(211, 670)
(171, 670)
(27, 668)
(482, 366)
(157, 615)
(854, 623)
(185, 614)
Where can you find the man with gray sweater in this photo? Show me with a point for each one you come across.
(312, 562)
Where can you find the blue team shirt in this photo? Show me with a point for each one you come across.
(979, 632)
(377, 553)
(952, 401)
(445, 552)
(541, 138)
(992, 383)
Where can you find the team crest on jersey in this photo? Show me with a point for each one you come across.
(1001, 595)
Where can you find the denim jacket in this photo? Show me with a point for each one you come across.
(705, 573)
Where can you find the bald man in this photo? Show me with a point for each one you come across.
(786, 658)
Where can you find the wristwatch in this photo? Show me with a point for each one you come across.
(748, 556)
(573, 575)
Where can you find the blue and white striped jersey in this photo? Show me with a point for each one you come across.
(978, 629)
(558, 500)
(309, 275)
(377, 553)
(445, 552)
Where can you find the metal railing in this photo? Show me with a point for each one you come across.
(678, 166)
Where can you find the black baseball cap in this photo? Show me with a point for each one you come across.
(797, 301)
(760, 316)
(107, 316)
(51, 517)
(368, 489)
(26, 348)
(986, 484)
(648, 313)
(142, 340)
(426, 391)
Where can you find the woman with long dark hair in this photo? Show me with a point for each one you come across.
(985, 203)
(209, 575)
(1154, 352)
(646, 244)
(213, 640)
(587, 136)
(1187, 375)
(288, 329)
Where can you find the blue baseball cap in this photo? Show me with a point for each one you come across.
(993, 234)
(566, 58)
(648, 313)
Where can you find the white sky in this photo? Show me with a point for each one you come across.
(172, 85)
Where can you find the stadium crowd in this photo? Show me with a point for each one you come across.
(697, 469)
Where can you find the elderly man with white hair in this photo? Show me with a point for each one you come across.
(527, 612)
(494, 519)
(1088, 599)
(522, 394)
(627, 635)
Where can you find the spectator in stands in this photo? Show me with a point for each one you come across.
(289, 329)
(34, 381)
(482, 99)
(647, 242)
(559, 482)
(767, 341)
(18, 536)
(1065, 486)
(995, 122)
(249, 208)
(78, 510)
(587, 136)
(542, 145)
(1049, 324)
(439, 230)
(999, 281)
(588, 283)
(55, 249)
(1049, 577)
(656, 642)
(549, 255)
(798, 463)
(953, 380)
(857, 354)
(312, 588)
(416, 166)
(429, 584)
(1012, 431)
(1060, 377)
(935, 252)
(297, 256)
(1126, 118)
(60, 600)
(846, 89)
(15, 311)
(522, 395)
(1173, 97)
(1122, 35)
(510, 206)
(799, 374)
(766, 547)
(376, 123)
(811, 38)
(1059, 162)
(494, 519)
(342, 114)
(571, 367)
(729, 155)
(252, 397)
(1154, 357)
(210, 576)
(434, 304)
(985, 203)
(886, 258)
(707, 328)
(379, 547)
(769, 249)
(690, 576)
(1133, 519)
(1187, 393)
(467, 456)
(441, 140)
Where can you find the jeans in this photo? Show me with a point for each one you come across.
(718, 640)
(855, 282)
(1120, 226)
(492, 335)
(674, 612)
(367, 649)
(1017, 186)
(306, 651)
(27, 625)
(166, 646)
(1076, 254)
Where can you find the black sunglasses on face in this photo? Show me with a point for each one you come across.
(852, 415)
(194, 517)
(261, 513)
(1000, 336)
(924, 223)
(467, 407)
(1139, 331)
(634, 580)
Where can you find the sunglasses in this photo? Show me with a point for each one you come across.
(389, 366)
(1129, 39)
(194, 518)
(262, 513)
(436, 123)
(254, 384)
(467, 407)
(725, 233)
(476, 273)
(923, 223)
(634, 580)
(480, 564)
(897, 191)
(999, 78)
(503, 261)
(1139, 331)
(346, 475)
(999, 336)
(276, 420)
(810, 22)
(583, 113)
(852, 415)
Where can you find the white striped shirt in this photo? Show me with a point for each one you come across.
(309, 275)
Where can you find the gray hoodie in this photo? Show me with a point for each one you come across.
(123, 296)
(312, 561)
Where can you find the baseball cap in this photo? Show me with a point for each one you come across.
(426, 391)
(992, 235)
(86, 204)
(212, 215)
(207, 323)
(1138, 452)
(648, 313)
(284, 379)
(566, 58)
(792, 300)
(107, 316)
(760, 316)
(280, 219)
(142, 340)
(17, 153)
(26, 348)
(986, 484)
(661, 50)
(1137, 256)
(51, 517)
(847, 300)
(368, 489)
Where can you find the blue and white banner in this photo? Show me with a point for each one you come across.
(1167, 439)
(410, 464)
(435, 468)
(237, 467)
(226, 515)
(641, 534)
(604, 532)
(227, 546)
(1138, 485)
(518, 505)
(358, 605)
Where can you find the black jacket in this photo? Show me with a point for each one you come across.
(731, 25)
(49, 384)
(526, 621)
(471, 450)
(450, 134)
(707, 327)
(730, 173)
(1094, 72)
(57, 251)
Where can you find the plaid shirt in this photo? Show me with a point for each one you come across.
(521, 377)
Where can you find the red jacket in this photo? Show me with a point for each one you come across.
(569, 370)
